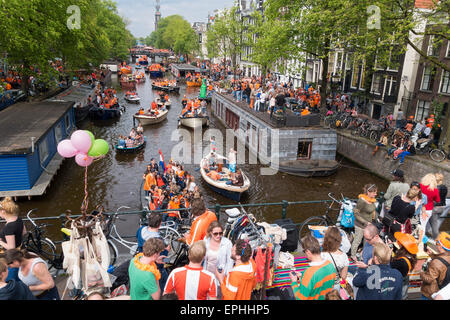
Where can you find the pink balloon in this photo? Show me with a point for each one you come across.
(81, 140)
(66, 149)
(83, 160)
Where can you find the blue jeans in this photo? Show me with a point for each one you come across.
(403, 155)
(238, 95)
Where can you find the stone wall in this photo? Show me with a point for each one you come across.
(359, 150)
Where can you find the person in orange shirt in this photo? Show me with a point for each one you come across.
(202, 220)
(154, 105)
(149, 182)
(239, 283)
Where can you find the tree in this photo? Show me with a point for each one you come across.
(176, 34)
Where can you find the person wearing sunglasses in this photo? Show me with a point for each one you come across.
(218, 250)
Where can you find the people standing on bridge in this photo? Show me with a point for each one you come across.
(439, 207)
(364, 214)
(428, 185)
(193, 282)
(12, 289)
(12, 233)
(201, 222)
(379, 281)
(143, 272)
(239, 283)
(395, 188)
(318, 279)
(33, 272)
(435, 276)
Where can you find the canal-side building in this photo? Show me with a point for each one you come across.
(28, 148)
(298, 138)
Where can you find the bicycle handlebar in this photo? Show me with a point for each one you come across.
(29, 218)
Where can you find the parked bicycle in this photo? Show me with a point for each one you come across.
(438, 154)
(331, 217)
(35, 241)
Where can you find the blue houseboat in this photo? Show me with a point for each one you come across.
(28, 156)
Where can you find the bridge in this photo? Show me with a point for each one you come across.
(150, 52)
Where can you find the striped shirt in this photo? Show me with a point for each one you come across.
(316, 281)
(191, 283)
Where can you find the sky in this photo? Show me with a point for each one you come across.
(141, 13)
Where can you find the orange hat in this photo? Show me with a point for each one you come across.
(444, 240)
(407, 241)
(411, 117)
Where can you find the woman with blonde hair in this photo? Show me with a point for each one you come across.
(12, 232)
(428, 186)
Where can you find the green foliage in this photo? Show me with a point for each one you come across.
(176, 34)
(35, 32)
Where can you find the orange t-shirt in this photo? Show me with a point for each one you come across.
(199, 227)
(238, 284)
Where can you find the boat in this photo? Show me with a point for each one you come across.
(166, 88)
(140, 79)
(132, 98)
(148, 118)
(194, 83)
(101, 113)
(309, 168)
(138, 66)
(128, 82)
(126, 70)
(194, 121)
(143, 61)
(229, 191)
(120, 149)
(156, 71)
(167, 104)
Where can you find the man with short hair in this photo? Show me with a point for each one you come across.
(371, 236)
(379, 281)
(202, 219)
(239, 283)
(191, 282)
(318, 279)
(143, 272)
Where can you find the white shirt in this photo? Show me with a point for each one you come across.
(340, 259)
(444, 292)
(263, 97)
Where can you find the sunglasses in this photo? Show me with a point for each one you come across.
(217, 234)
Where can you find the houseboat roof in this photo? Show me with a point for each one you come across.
(75, 94)
(22, 121)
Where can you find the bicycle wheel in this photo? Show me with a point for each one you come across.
(311, 221)
(437, 155)
(45, 249)
(170, 237)
(373, 135)
(113, 252)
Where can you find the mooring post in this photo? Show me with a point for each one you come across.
(217, 211)
(284, 209)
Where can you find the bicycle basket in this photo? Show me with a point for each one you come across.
(347, 217)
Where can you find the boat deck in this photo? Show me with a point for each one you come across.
(264, 116)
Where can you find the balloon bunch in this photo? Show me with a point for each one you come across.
(84, 147)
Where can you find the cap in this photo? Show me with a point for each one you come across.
(398, 173)
(444, 240)
(407, 241)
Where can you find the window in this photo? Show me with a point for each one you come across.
(445, 82)
(433, 47)
(428, 79)
(43, 150)
(355, 75)
(304, 149)
(423, 108)
(390, 87)
(59, 132)
(363, 77)
(448, 50)
(376, 83)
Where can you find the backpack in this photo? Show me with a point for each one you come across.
(446, 280)
(347, 216)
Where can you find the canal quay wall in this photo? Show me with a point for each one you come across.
(359, 150)
(256, 131)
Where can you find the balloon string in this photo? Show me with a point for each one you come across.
(84, 205)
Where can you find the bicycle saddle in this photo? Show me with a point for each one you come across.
(233, 212)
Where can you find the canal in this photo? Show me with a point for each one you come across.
(115, 180)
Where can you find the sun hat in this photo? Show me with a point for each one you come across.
(444, 240)
(407, 241)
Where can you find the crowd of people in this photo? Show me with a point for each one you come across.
(193, 107)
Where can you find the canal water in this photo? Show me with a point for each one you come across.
(115, 180)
